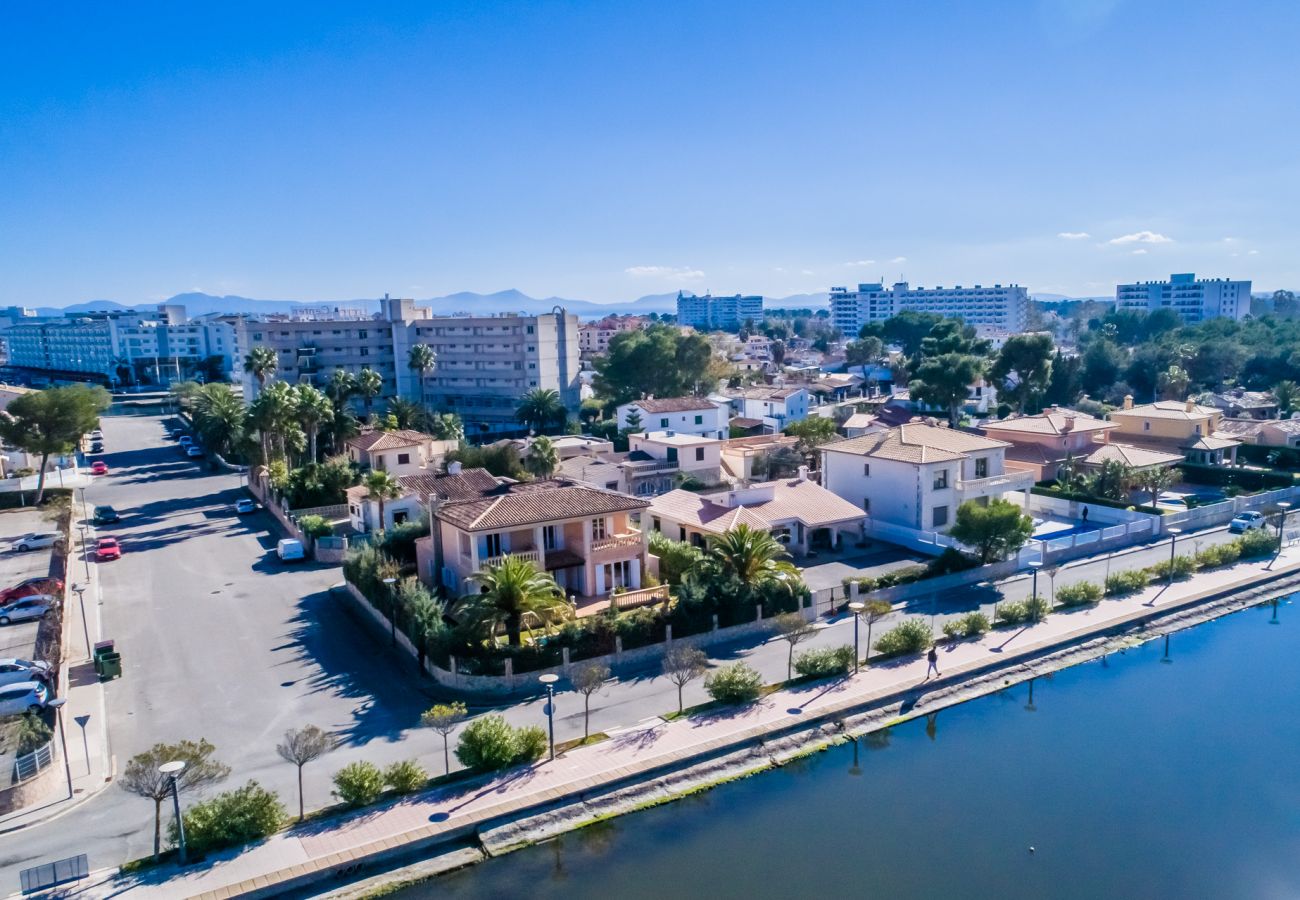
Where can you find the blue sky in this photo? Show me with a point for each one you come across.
(606, 150)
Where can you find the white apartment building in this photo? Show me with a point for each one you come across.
(709, 313)
(673, 452)
(916, 475)
(775, 407)
(485, 363)
(1193, 299)
(1000, 307)
(684, 415)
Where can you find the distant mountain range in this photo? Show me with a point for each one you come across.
(199, 304)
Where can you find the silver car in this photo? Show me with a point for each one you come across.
(15, 670)
(34, 606)
(23, 697)
(35, 541)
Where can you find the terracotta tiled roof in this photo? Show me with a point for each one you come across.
(673, 404)
(533, 503)
(916, 442)
(463, 486)
(1136, 457)
(770, 393)
(792, 500)
(859, 420)
(1055, 422)
(1210, 442)
(1167, 409)
(1242, 428)
(743, 422)
(388, 440)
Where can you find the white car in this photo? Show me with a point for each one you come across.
(33, 606)
(15, 670)
(193, 451)
(35, 541)
(1247, 521)
(97, 435)
(244, 506)
(23, 697)
(185, 440)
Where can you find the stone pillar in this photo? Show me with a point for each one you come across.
(758, 612)
(510, 672)
(668, 634)
(715, 621)
(455, 679)
(564, 659)
(618, 648)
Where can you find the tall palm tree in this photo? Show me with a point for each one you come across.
(422, 360)
(272, 415)
(541, 408)
(261, 363)
(407, 413)
(752, 555)
(543, 459)
(341, 386)
(447, 427)
(219, 417)
(382, 486)
(369, 385)
(313, 408)
(512, 589)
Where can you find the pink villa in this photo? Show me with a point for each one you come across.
(1040, 443)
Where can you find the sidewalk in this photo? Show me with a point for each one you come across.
(84, 717)
(329, 846)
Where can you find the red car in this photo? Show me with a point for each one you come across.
(99, 467)
(108, 548)
(40, 585)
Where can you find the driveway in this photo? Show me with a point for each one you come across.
(19, 639)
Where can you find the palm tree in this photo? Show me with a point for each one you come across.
(752, 555)
(447, 427)
(422, 360)
(407, 413)
(512, 589)
(1287, 394)
(341, 386)
(313, 408)
(219, 417)
(369, 384)
(382, 486)
(261, 363)
(272, 415)
(540, 407)
(543, 459)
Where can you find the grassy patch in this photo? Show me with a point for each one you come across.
(713, 706)
(581, 742)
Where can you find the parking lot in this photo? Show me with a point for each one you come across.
(19, 639)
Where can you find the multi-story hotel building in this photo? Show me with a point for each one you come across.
(484, 363)
(1000, 307)
(1195, 300)
(594, 337)
(709, 313)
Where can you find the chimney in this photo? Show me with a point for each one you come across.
(803, 473)
(1190, 405)
(1068, 425)
(1128, 401)
(453, 467)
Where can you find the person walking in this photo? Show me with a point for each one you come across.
(1085, 515)
(933, 657)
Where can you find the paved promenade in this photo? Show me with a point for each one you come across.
(333, 845)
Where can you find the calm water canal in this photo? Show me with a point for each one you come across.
(1133, 778)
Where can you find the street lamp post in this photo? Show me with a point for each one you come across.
(549, 680)
(63, 740)
(84, 514)
(85, 552)
(1281, 522)
(1033, 591)
(80, 591)
(172, 770)
(1173, 544)
(856, 607)
(392, 609)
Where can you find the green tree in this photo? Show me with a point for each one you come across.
(872, 612)
(44, 423)
(1111, 481)
(510, 590)
(994, 531)
(405, 413)
(312, 408)
(812, 432)
(683, 664)
(142, 778)
(382, 487)
(1287, 393)
(657, 361)
(543, 459)
(369, 385)
(443, 718)
(261, 362)
(340, 387)
(587, 679)
(273, 415)
(301, 746)
(447, 427)
(908, 329)
(794, 630)
(1154, 480)
(752, 556)
(676, 558)
(1173, 383)
(219, 417)
(1022, 369)
(231, 818)
(541, 408)
(1101, 364)
(423, 613)
(863, 352)
(945, 381)
(421, 360)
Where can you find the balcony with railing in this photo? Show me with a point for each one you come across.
(970, 488)
(532, 556)
(628, 540)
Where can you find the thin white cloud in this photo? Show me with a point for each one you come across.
(1252, 253)
(807, 272)
(1073, 235)
(1230, 240)
(1139, 253)
(899, 259)
(672, 273)
(1142, 237)
(860, 263)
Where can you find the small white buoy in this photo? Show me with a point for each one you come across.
(1031, 849)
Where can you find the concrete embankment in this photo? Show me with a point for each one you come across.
(830, 726)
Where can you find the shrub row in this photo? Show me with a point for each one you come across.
(1079, 594)
(734, 684)
(361, 783)
(1016, 612)
(970, 625)
(824, 663)
(909, 636)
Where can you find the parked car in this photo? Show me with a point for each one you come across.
(99, 467)
(34, 606)
(14, 670)
(185, 440)
(290, 550)
(108, 548)
(97, 435)
(41, 584)
(105, 515)
(96, 446)
(1247, 521)
(194, 451)
(35, 541)
(175, 434)
(23, 697)
(245, 506)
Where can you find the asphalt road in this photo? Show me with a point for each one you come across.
(221, 641)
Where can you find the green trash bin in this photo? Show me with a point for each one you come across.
(109, 666)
